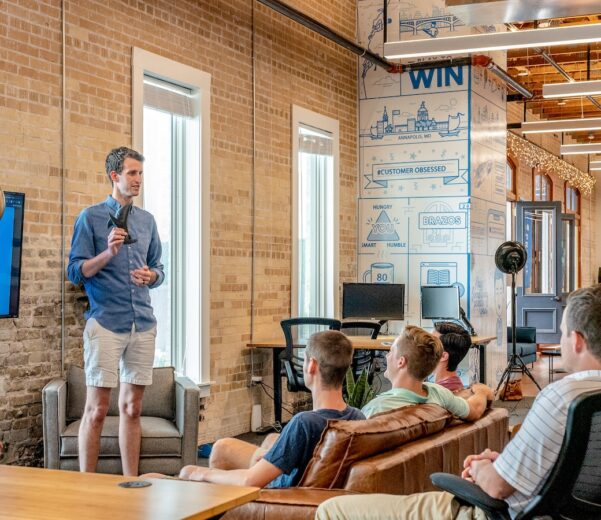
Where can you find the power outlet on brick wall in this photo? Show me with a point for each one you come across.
(255, 380)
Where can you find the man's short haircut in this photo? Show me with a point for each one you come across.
(456, 342)
(333, 352)
(583, 314)
(421, 349)
(115, 158)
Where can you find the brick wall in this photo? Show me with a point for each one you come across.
(293, 66)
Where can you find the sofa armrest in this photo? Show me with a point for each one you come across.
(295, 503)
(187, 408)
(54, 420)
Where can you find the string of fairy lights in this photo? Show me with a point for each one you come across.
(535, 156)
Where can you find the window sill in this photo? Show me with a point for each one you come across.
(205, 388)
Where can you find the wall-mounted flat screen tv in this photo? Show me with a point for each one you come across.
(11, 243)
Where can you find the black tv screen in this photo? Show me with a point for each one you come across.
(380, 301)
(11, 241)
(440, 302)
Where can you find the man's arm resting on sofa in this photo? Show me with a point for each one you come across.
(478, 402)
(259, 475)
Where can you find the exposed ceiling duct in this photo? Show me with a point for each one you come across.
(492, 12)
(328, 33)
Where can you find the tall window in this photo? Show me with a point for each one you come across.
(572, 206)
(572, 199)
(315, 214)
(543, 187)
(512, 197)
(171, 104)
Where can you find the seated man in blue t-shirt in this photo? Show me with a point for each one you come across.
(327, 358)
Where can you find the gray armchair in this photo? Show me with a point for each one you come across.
(170, 411)
(525, 343)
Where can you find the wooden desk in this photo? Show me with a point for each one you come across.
(35, 493)
(359, 342)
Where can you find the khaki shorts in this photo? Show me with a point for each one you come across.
(106, 354)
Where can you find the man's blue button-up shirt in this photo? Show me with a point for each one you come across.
(115, 301)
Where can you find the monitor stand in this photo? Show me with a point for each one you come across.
(462, 322)
(466, 322)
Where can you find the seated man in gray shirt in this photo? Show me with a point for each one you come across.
(327, 358)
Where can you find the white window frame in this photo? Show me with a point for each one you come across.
(200, 83)
(307, 117)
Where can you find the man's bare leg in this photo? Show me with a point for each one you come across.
(130, 431)
(97, 405)
(231, 453)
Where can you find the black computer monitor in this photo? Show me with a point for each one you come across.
(380, 301)
(440, 302)
(11, 242)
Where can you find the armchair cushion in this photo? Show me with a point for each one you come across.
(160, 438)
(345, 442)
(525, 343)
(158, 401)
(522, 335)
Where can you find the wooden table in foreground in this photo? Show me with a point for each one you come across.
(35, 493)
(359, 342)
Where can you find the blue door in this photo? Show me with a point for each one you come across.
(540, 288)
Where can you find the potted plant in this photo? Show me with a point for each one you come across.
(358, 393)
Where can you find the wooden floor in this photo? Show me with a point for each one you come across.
(540, 371)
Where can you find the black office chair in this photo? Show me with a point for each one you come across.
(573, 488)
(292, 361)
(363, 359)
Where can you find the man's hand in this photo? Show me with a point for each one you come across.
(480, 388)
(143, 276)
(194, 473)
(115, 240)
(487, 454)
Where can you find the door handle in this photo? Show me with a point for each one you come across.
(556, 298)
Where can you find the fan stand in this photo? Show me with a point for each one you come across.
(516, 363)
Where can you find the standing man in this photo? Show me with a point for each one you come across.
(117, 266)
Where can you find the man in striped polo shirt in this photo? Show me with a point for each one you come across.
(518, 473)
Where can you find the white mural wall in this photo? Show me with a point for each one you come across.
(432, 158)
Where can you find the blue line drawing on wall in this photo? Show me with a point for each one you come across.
(447, 169)
(481, 173)
(379, 272)
(438, 273)
(415, 125)
(383, 230)
(438, 222)
(432, 25)
(495, 229)
(438, 277)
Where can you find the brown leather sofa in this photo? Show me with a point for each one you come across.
(394, 452)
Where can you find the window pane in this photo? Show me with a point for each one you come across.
(172, 173)
(157, 200)
(315, 222)
(567, 251)
(539, 277)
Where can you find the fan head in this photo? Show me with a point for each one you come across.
(511, 257)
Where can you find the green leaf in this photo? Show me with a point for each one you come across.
(360, 392)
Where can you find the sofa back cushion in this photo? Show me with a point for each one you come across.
(522, 335)
(343, 443)
(158, 401)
